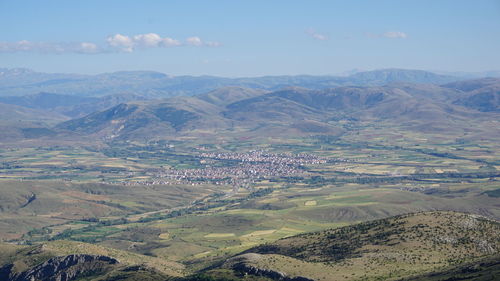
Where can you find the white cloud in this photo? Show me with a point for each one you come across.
(213, 44)
(194, 41)
(89, 48)
(169, 42)
(315, 35)
(147, 40)
(388, 34)
(23, 45)
(319, 36)
(45, 47)
(121, 42)
(394, 34)
(114, 43)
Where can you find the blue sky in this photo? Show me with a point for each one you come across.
(249, 38)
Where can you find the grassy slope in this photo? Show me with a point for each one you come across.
(483, 269)
(397, 247)
(58, 202)
(388, 249)
(25, 257)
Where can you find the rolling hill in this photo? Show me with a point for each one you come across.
(16, 113)
(392, 248)
(64, 260)
(419, 246)
(483, 269)
(142, 120)
(227, 95)
(17, 122)
(293, 110)
(30, 204)
(68, 105)
(481, 94)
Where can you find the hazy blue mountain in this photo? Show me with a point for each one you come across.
(14, 78)
(228, 95)
(15, 82)
(292, 110)
(10, 112)
(17, 122)
(69, 105)
(147, 119)
(46, 100)
(472, 75)
(387, 76)
(480, 94)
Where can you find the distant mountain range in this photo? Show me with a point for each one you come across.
(296, 111)
(15, 82)
(95, 106)
(68, 105)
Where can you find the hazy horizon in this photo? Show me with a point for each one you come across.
(346, 73)
(249, 39)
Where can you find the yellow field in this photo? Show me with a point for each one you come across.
(164, 236)
(219, 235)
(259, 233)
(311, 203)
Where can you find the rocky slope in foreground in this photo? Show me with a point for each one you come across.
(65, 260)
(387, 249)
(422, 246)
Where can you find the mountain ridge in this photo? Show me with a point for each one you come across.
(156, 84)
(417, 106)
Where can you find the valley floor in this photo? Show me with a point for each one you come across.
(193, 204)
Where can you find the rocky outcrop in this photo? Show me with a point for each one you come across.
(275, 275)
(245, 264)
(30, 199)
(64, 268)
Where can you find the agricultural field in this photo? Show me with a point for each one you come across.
(248, 141)
(195, 202)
